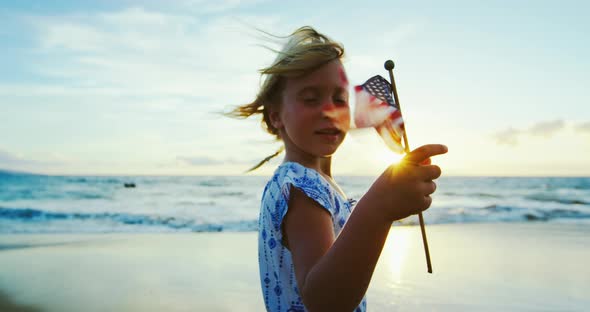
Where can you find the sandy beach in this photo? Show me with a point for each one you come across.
(477, 267)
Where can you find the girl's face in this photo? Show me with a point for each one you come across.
(314, 115)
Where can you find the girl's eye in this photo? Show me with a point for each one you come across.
(341, 101)
(310, 101)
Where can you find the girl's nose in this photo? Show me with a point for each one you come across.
(328, 108)
(328, 105)
(331, 110)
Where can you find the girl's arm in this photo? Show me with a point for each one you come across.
(333, 273)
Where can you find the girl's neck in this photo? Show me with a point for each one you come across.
(323, 165)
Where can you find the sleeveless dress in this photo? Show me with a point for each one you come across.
(277, 276)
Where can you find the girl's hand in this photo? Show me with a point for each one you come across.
(404, 189)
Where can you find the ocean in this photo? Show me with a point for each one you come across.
(102, 204)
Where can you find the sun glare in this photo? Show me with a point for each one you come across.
(396, 251)
(388, 157)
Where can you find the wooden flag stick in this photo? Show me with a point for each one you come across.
(389, 65)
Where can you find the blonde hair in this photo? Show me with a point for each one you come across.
(305, 51)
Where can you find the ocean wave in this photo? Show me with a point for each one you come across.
(85, 195)
(228, 194)
(77, 180)
(40, 221)
(503, 213)
(214, 183)
(40, 204)
(42, 194)
(479, 195)
(28, 194)
(498, 208)
(30, 215)
(540, 215)
(543, 197)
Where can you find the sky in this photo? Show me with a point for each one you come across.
(137, 87)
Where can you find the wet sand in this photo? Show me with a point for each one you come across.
(477, 267)
(7, 305)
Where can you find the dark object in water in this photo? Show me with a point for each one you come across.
(129, 185)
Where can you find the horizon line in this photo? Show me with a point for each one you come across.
(20, 172)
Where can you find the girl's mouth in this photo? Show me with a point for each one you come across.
(330, 134)
(329, 131)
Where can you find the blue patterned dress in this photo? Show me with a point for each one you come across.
(277, 276)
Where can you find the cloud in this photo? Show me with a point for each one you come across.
(210, 161)
(216, 6)
(112, 74)
(199, 160)
(377, 46)
(507, 137)
(136, 51)
(545, 129)
(204, 160)
(8, 159)
(14, 161)
(583, 127)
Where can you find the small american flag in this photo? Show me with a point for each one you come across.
(375, 107)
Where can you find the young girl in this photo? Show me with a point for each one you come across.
(315, 252)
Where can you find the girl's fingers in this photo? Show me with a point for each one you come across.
(429, 172)
(427, 202)
(425, 151)
(429, 187)
(426, 161)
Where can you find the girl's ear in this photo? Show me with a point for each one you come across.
(275, 120)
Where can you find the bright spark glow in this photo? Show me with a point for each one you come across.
(388, 157)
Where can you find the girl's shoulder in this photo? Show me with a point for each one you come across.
(290, 174)
(302, 176)
(306, 179)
